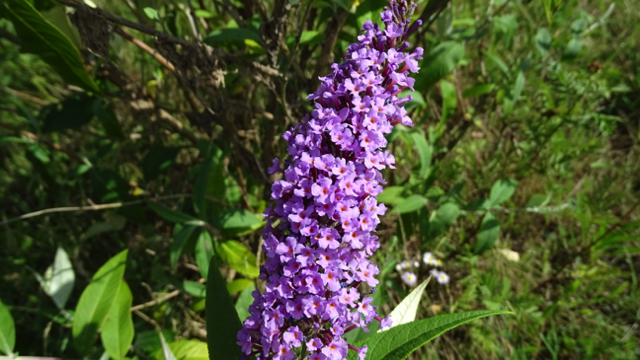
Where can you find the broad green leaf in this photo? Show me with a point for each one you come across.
(311, 37)
(438, 64)
(573, 49)
(449, 99)
(392, 195)
(185, 350)
(501, 191)
(40, 37)
(175, 216)
(424, 152)
(57, 16)
(204, 252)
(58, 279)
(478, 90)
(369, 10)
(244, 300)
(543, 41)
(194, 288)
(398, 342)
(117, 332)
(488, 234)
(442, 219)
(239, 258)
(96, 301)
(158, 159)
(236, 35)
(7, 331)
(578, 26)
(411, 204)
(538, 200)
(151, 13)
(240, 219)
(180, 239)
(72, 113)
(222, 319)
(406, 311)
(238, 285)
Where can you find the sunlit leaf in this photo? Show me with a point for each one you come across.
(7, 331)
(406, 311)
(244, 300)
(239, 258)
(117, 332)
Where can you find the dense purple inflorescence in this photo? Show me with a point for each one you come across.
(319, 232)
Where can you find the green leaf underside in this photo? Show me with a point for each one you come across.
(406, 311)
(96, 301)
(7, 331)
(398, 342)
(58, 279)
(40, 37)
(223, 323)
(117, 332)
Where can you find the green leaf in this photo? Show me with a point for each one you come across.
(398, 342)
(511, 99)
(236, 35)
(239, 258)
(369, 10)
(165, 351)
(223, 323)
(442, 219)
(578, 26)
(392, 195)
(204, 14)
(117, 332)
(238, 285)
(412, 203)
(488, 234)
(311, 37)
(7, 331)
(240, 219)
(184, 350)
(204, 252)
(543, 41)
(40, 37)
(157, 160)
(478, 90)
(179, 241)
(108, 118)
(57, 16)
(441, 60)
(194, 288)
(424, 151)
(72, 113)
(244, 300)
(548, 9)
(151, 13)
(58, 279)
(449, 99)
(573, 49)
(96, 301)
(501, 191)
(406, 311)
(507, 26)
(149, 341)
(175, 216)
(538, 200)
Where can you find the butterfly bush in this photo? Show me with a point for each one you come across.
(321, 225)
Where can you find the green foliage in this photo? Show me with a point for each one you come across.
(97, 302)
(223, 323)
(117, 331)
(7, 331)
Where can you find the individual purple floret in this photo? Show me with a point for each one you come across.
(320, 227)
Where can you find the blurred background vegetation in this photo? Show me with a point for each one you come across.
(521, 174)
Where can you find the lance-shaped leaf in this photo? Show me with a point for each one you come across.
(96, 301)
(117, 332)
(40, 37)
(488, 234)
(398, 342)
(7, 331)
(223, 323)
(406, 311)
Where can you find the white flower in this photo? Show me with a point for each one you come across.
(429, 259)
(416, 264)
(404, 265)
(440, 276)
(409, 278)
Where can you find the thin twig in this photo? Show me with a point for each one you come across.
(146, 48)
(156, 301)
(90, 207)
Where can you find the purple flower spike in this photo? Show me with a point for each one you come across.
(320, 227)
